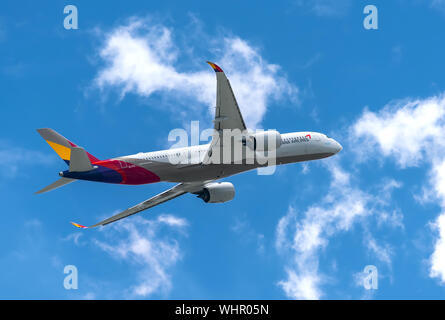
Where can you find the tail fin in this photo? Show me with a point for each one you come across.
(62, 146)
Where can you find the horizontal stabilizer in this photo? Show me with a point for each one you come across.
(59, 183)
(79, 161)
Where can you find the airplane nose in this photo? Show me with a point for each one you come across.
(338, 146)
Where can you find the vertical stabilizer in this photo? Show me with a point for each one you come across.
(61, 145)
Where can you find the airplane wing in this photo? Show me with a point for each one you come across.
(227, 114)
(176, 191)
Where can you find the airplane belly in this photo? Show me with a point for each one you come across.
(304, 157)
(291, 150)
(203, 172)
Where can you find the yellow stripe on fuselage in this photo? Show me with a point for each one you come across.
(62, 151)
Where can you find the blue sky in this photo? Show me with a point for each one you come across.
(307, 231)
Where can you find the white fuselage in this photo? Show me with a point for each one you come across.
(295, 147)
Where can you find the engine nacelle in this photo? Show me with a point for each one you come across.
(264, 141)
(217, 192)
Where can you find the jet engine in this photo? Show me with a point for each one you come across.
(217, 192)
(263, 141)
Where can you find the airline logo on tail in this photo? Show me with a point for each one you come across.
(61, 145)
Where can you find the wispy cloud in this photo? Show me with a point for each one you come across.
(303, 238)
(142, 57)
(438, 4)
(143, 244)
(325, 8)
(75, 237)
(383, 252)
(248, 234)
(172, 220)
(359, 279)
(12, 159)
(310, 234)
(411, 133)
(15, 70)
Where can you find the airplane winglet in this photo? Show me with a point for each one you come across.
(78, 225)
(215, 67)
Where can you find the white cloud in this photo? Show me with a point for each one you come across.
(305, 168)
(172, 220)
(411, 132)
(393, 218)
(438, 4)
(438, 257)
(303, 286)
(75, 237)
(138, 242)
(143, 58)
(325, 8)
(359, 279)
(343, 205)
(13, 159)
(89, 296)
(383, 252)
(33, 223)
(338, 210)
(248, 234)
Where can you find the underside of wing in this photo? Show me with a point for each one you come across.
(227, 114)
(176, 191)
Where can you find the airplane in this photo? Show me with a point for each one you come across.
(197, 177)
